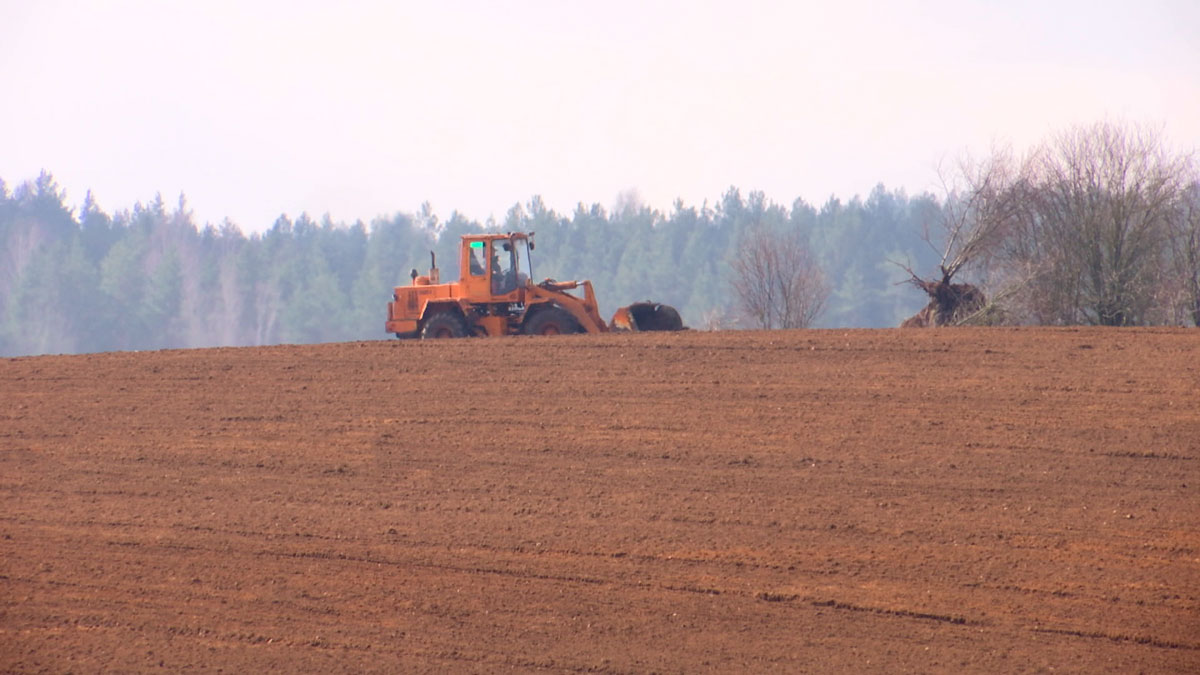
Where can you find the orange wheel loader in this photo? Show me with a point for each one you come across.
(497, 297)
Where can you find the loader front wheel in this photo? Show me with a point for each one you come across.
(444, 325)
(552, 321)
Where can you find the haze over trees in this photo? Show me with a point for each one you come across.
(1099, 225)
(150, 277)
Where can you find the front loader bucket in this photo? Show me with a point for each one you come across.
(642, 316)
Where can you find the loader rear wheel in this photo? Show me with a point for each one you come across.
(444, 325)
(552, 321)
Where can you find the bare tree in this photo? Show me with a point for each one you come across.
(1184, 247)
(1099, 201)
(1098, 226)
(777, 281)
(979, 211)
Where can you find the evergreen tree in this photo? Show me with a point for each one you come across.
(145, 278)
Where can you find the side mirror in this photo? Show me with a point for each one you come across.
(413, 275)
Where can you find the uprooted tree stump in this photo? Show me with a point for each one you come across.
(949, 303)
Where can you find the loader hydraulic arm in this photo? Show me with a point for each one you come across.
(585, 309)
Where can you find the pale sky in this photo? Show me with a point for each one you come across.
(361, 109)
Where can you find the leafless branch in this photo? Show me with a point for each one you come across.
(777, 281)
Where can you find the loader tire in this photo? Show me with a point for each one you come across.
(552, 321)
(444, 325)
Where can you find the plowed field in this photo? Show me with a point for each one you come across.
(943, 500)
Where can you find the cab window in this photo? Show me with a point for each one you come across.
(504, 277)
(478, 259)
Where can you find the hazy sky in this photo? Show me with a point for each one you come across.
(359, 109)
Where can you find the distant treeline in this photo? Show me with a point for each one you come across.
(151, 278)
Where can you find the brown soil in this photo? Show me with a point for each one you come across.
(979, 499)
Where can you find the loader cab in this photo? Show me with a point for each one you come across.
(492, 264)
